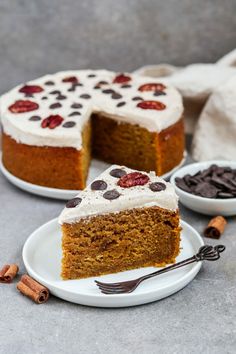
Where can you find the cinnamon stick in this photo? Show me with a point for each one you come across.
(216, 227)
(8, 273)
(34, 290)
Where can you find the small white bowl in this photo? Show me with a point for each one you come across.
(208, 206)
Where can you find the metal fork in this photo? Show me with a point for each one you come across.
(207, 252)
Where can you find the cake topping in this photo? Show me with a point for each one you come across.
(137, 98)
(72, 79)
(61, 97)
(125, 86)
(159, 106)
(55, 105)
(116, 96)
(35, 118)
(76, 105)
(22, 106)
(108, 91)
(91, 75)
(121, 78)
(152, 87)
(30, 89)
(120, 104)
(49, 83)
(117, 173)
(133, 179)
(112, 194)
(69, 124)
(159, 93)
(157, 186)
(99, 185)
(52, 121)
(44, 98)
(55, 92)
(85, 96)
(74, 114)
(73, 202)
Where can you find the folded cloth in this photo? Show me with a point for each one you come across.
(215, 133)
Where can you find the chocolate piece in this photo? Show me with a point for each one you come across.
(91, 75)
(116, 96)
(216, 227)
(206, 190)
(219, 182)
(76, 105)
(157, 186)
(55, 92)
(74, 114)
(73, 202)
(137, 98)
(35, 118)
(120, 104)
(117, 173)
(112, 194)
(159, 93)
(108, 91)
(55, 105)
(180, 183)
(44, 98)
(99, 185)
(49, 83)
(85, 96)
(61, 97)
(69, 124)
(125, 86)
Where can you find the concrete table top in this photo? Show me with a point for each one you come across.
(199, 318)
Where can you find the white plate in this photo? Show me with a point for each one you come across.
(42, 259)
(96, 168)
(207, 206)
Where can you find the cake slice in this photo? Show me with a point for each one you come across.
(123, 220)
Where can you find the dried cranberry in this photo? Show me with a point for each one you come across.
(29, 89)
(133, 179)
(159, 106)
(52, 121)
(152, 87)
(72, 79)
(22, 106)
(121, 78)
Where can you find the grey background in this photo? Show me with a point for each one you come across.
(41, 36)
(44, 36)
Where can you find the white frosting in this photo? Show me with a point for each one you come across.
(93, 203)
(20, 128)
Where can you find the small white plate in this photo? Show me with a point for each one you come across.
(42, 258)
(96, 168)
(207, 206)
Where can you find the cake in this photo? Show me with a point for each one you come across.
(53, 125)
(125, 219)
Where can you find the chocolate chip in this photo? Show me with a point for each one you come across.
(44, 98)
(73, 202)
(116, 96)
(120, 104)
(219, 182)
(72, 89)
(91, 75)
(69, 124)
(137, 98)
(35, 118)
(159, 93)
(76, 105)
(157, 186)
(108, 91)
(99, 185)
(112, 194)
(74, 114)
(182, 185)
(125, 86)
(55, 92)
(205, 189)
(49, 83)
(85, 96)
(55, 105)
(61, 97)
(117, 173)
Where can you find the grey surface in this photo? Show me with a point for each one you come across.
(42, 36)
(200, 318)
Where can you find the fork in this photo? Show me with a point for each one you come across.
(207, 252)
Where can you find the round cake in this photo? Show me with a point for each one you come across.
(53, 125)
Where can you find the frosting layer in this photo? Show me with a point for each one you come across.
(74, 95)
(94, 202)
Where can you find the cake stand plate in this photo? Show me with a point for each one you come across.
(42, 258)
(96, 168)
